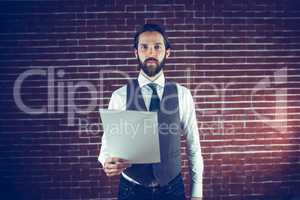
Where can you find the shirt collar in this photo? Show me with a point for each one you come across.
(143, 79)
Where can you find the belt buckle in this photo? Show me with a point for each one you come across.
(153, 184)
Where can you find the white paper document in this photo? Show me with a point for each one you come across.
(131, 135)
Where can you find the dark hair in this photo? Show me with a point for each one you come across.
(152, 28)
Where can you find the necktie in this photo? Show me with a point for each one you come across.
(155, 102)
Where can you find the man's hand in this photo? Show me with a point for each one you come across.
(196, 198)
(115, 166)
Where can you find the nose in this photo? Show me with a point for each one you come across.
(151, 52)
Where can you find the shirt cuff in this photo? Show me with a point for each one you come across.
(197, 190)
(102, 159)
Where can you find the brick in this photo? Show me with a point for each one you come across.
(226, 48)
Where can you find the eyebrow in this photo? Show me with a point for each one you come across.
(158, 43)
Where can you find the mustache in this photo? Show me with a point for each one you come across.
(151, 59)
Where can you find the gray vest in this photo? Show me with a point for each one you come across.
(169, 136)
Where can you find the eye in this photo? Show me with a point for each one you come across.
(144, 46)
(157, 47)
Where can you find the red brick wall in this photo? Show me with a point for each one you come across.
(61, 60)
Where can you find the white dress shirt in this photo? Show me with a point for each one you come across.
(188, 122)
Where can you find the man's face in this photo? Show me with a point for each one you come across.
(151, 52)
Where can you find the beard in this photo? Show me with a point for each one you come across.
(153, 68)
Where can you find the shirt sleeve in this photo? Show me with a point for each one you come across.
(117, 102)
(190, 127)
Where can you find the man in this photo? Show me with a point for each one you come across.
(175, 107)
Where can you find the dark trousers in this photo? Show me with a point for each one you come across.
(131, 191)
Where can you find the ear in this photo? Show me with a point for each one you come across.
(136, 53)
(168, 52)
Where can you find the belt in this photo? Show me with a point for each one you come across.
(154, 184)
